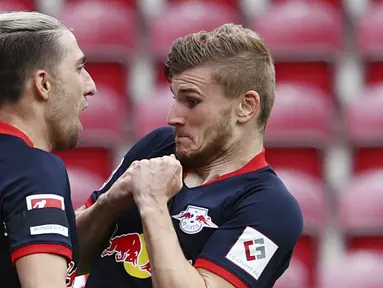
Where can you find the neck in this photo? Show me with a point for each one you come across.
(33, 127)
(234, 158)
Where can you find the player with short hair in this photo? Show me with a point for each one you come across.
(215, 214)
(43, 89)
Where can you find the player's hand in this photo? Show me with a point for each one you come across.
(155, 181)
(120, 193)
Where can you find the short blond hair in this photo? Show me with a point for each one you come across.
(28, 41)
(242, 59)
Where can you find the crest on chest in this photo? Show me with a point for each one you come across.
(194, 219)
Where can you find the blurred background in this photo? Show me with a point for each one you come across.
(325, 136)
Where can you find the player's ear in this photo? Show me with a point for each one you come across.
(42, 84)
(248, 106)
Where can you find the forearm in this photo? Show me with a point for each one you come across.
(94, 226)
(169, 267)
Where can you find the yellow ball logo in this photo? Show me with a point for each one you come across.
(142, 269)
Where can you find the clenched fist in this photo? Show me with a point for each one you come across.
(155, 181)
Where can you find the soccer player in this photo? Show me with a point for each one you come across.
(43, 89)
(215, 214)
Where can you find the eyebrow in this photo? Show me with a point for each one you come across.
(186, 90)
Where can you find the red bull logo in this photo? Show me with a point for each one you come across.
(125, 247)
(194, 219)
(130, 249)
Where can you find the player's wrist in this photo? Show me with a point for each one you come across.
(110, 204)
(149, 209)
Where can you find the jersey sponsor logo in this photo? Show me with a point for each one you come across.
(130, 250)
(49, 229)
(252, 252)
(194, 219)
(71, 275)
(44, 201)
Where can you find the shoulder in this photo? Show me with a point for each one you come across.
(41, 161)
(157, 143)
(267, 201)
(25, 164)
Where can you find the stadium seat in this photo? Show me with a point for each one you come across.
(369, 38)
(110, 28)
(130, 3)
(95, 160)
(355, 270)
(296, 276)
(151, 113)
(103, 120)
(369, 31)
(82, 183)
(15, 5)
(335, 3)
(302, 114)
(304, 38)
(230, 3)
(299, 128)
(190, 16)
(310, 194)
(363, 121)
(301, 28)
(360, 211)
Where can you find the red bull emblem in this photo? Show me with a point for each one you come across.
(194, 219)
(130, 250)
(125, 248)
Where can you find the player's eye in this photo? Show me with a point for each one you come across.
(80, 68)
(192, 102)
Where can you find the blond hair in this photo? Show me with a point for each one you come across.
(28, 41)
(241, 57)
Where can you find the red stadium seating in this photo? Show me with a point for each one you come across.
(95, 160)
(189, 17)
(15, 5)
(131, 3)
(302, 28)
(355, 270)
(304, 38)
(363, 121)
(310, 195)
(360, 211)
(102, 28)
(152, 112)
(230, 3)
(302, 114)
(369, 38)
(82, 183)
(296, 276)
(369, 31)
(299, 128)
(335, 3)
(103, 119)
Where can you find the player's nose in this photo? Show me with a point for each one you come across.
(90, 87)
(175, 117)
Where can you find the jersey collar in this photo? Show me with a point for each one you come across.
(11, 130)
(257, 163)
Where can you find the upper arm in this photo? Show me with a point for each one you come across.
(253, 248)
(42, 271)
(141, 150)
(35, 205)
(212, 280)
